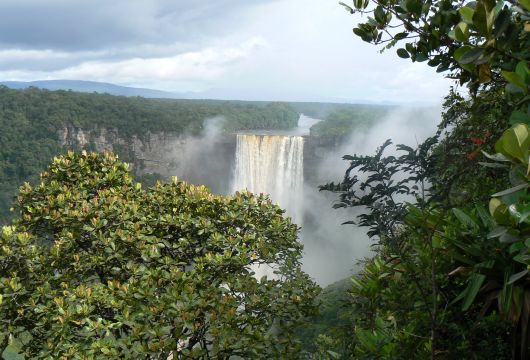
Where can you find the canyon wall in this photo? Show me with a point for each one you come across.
(203, 160)
(207, 160)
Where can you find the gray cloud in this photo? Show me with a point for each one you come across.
(75, 25)
(250, 49)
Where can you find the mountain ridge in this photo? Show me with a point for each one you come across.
(224, 94)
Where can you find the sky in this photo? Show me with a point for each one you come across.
(293, 50)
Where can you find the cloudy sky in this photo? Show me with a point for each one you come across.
(254, 49)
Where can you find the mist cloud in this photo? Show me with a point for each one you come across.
(332, 250)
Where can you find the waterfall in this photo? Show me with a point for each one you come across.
(272, 164)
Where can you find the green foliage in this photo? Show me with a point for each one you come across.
(150, 179)
(32, 120)
(339, 124)
(99, 267)
(323, 110)
(323, 332)
(475, 125)
(462, 271)
(418, 246)
(474, 40)
(504, 275)
(275, 115)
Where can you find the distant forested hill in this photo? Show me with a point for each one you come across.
(31, 120)
(340, 122)
(321, 110)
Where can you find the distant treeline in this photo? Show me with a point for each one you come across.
(341, 122)
(31, 120)
(320, 110)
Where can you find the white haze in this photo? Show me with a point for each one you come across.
(202, 159)
(409, 126)
(332, 250)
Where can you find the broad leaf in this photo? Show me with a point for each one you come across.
(515, 142)
(473, 287)
(511, 190)
(517, 276)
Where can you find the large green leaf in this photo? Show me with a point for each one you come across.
(460, 32)
(480, 19)
(467, 14)
(459, 53)
(496, 157)
(511, 190)
(472, 55)
(502, 22)
(514, 79)
(464, 218)
(523, 72)
(402, 53)
(473, 287)
(520, 117)
(12, 352)
(515, 142)
(517, 276)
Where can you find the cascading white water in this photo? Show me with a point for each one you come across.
(272, 164)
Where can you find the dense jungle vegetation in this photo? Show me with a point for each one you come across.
(320, 110)
(450, 219)
(30, 122)
(339, 123)
(98, 267)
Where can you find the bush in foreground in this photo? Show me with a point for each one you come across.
(97, 267)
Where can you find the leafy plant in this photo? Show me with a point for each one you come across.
(98, 267)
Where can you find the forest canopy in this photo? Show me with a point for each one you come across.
(449, 219)
(31, 121)
(99, 267)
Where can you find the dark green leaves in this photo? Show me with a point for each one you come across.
(126, 272)
(380, 15)
(517, 276)
(502, 22)
(400, 36)
(414, 6)
(520, 117)
(465, 219)
(402, 53)
(367, 32)
(471, 55)
(515, 143)
(470, 293)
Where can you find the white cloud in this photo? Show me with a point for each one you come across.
(204, 65)
(289, 49)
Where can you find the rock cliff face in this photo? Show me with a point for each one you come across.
(316, 153)
(204, 160)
